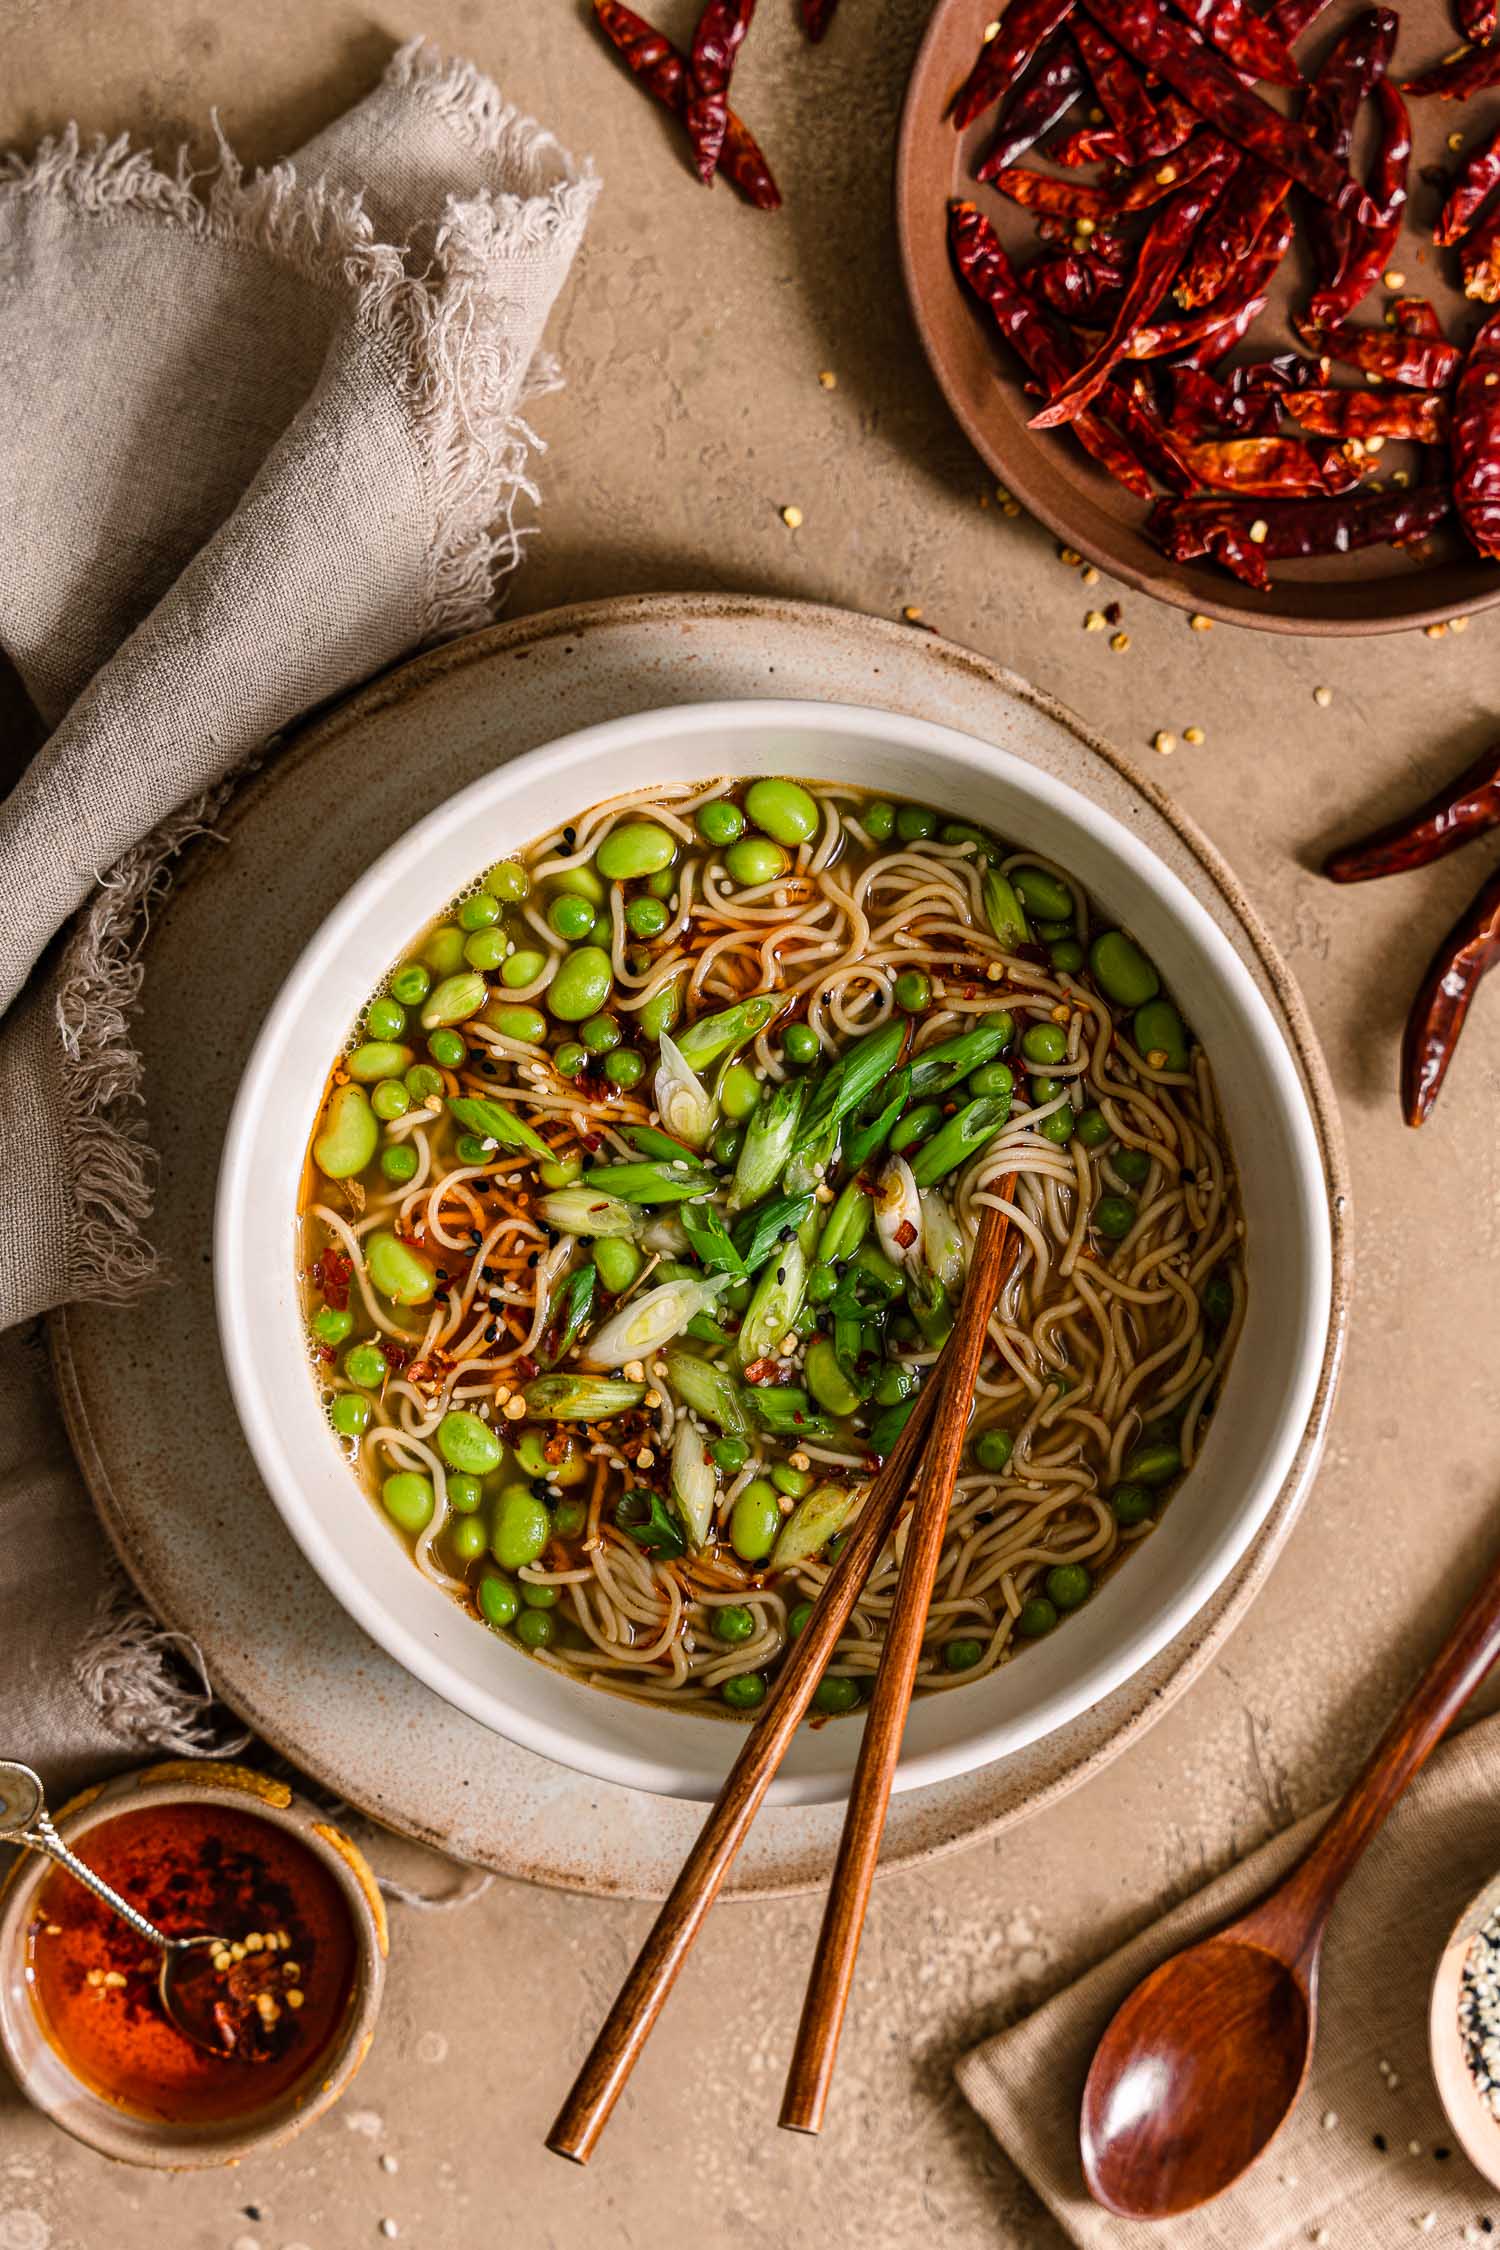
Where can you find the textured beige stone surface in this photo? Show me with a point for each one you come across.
(692, 415)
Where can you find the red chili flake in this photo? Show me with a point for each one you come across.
(906, 1235)
(762, 1371)
(327, 1354)
(394, 1354)
(332, 1272)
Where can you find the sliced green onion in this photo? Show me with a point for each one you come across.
(643, 1517)
(570, 1309)
(866, 1139)
(786, 1411)
(695, 1486)
(775, 1304)
(493, 1122)
(769, 1138)
(966, 1132)
(811, 1524)
(683, 1101)
(847, 1224)
(580, 1398)
(758, 1232)
(650, 1321)
(844, 1086)
(709, 1390)
(584, 1211)
(711, 1038)
(711, 1242)
(672, 1181)
(941, 1067)
(647, 1141)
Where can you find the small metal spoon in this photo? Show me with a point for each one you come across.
(185, 1996)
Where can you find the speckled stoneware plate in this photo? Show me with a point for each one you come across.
(146, 1397)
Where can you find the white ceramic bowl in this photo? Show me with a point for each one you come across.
(1267, 1398)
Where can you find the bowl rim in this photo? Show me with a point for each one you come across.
(402, 1641)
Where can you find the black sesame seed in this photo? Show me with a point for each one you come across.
(492, 1333)
(535, 1258)
(1380, 2142)
(1486, 2226)
(570, 837)
(781, 1275)
(1441, 2155)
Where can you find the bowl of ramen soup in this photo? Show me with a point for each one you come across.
(599, 1195)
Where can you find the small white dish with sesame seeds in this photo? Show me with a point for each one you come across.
(1465, 1989)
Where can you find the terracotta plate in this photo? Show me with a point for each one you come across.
(146, 1399)
(1374, 591)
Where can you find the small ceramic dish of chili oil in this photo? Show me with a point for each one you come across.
(198, 1849)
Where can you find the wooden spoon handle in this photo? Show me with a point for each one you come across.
(811, 2072)
(627, 2027)
(1291, 1920)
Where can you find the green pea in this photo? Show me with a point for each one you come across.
(1069, 1585)
(365, 1364)
(993, 1449)
(408, 1500)
(520, 1527)
(422, 1082)
(524, 966)
(538, 1597)
(600, 1033)
(480, 912)
(448, 1048)
(625, 1067)
(835, 1694)
(732, 1622)
(638, 847)
(467, 1443)
(351, 1413)
(466, 1539)
(800, 1045)
(1038, 1616)
(739, 1091)
(1114, 1216)
(646, 917)
(569, 1518)
(509, 881)
(378, 1058)
(453, 1001)
(1044, 1043)
(498, 1600)
(582, 984)
(914, 823)
(390, 1099)
(570, 916)
(995, 1079)
(796, 1620)
(1066, 956)
(913, 991)
(880, 822)
(569, 1059)
(1161, 1036)
(1059, 1126)
(755, 860)
(962, 1656)
(560, 1171)
(332, 1323)
(916, 1125)
(793, 1482)
(1045, 1089)
(744, 1691)
(1042, 894)
(397, 1271)
(783, 810)
(411, 983)
(399, 1163)
(730, 1454)
(487, 950)
(465, 1494)
(618, 1261)
(444, 950)
(1153, 1463)
(385, 1018)
(1218, 1300)
(1093, 1128)
(719, 822)
(1122, 971)
(1132, 1503)
(726, 1145)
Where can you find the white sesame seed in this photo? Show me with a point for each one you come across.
(1330, 2119)
(389, 2164)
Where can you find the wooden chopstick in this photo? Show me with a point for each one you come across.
(811, 2073)
(625, 2030)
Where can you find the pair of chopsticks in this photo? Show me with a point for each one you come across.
(938, 1422)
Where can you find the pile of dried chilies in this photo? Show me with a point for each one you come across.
(695, 86)
(1154, 274)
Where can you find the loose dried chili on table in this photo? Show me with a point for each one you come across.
(1456, 80)
(717, 39)
(1025, 25)
(1426, 363)
(1180, 56)
(1250, 42)
(1419, 417)
(1477, 20)
(1049, 91)
(1245, 535)
(1470, 192)
(1466, 807)
(1475, 441)
(664, 72)
(1467, 953)
(1368, 250)
(1264, 468)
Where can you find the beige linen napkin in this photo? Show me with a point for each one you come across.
(261, 436)
(1327, 2179)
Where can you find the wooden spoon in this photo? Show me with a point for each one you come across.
(1203, 2063)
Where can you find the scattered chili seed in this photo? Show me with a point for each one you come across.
(1011, 508)
(1194, 735)
(792, 518)
(1260, 531)
(1163, 743)
(1119, 642)
(912, 614)
(1090, 575)
(1095, 621)
(828, 379)
(1322, 696)
(1458, 624)
(1070, 556)
(1393, 280)
(1200, 623)
(1455, 142)
(1436, 632)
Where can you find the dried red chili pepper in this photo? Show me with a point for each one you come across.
(1457, 79)
(1135, 411)
(1468, 806)
(1290, 18)
(1293, 529)
(1350, 71)
(1031, 335)
(1051, 87)
(1368, 251)
(1025, 25)
(1426, 363)
(1454, 974)
(1076, 284)
(1420, 417)
(1119, 85)
(1280, 377)
(1477, 20)
(1471, 191)
(1475, 441)
(1266, 468)
(1202, 406)
(1042, 191)
(1252, 43)
(817, 15)
(1157, 259)
(1206, 335)
(1236, 224)
(1176, 52)
(1415, 317)
(1479, 255)
(664, 72)
(717, 39)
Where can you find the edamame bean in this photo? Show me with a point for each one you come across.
(385, 1018)
(993, 1449)
(569, 1518)
(498, 1600)
(1066, 957)
(829, 1385)
(582, 984)
(754, 1521)
(1121, 970)
(486, 949)
(1114, 1216)
(962, 1656)
(517, 1021)
(1132, 1165)
(618, 1261)
(793, 1482)
(570, 916)
(378, 1058)
(520, 1527)
(524, 966)
(783, 810)
(732, 1622)
(397, 1271)
(913, 991)
(351, 1413)
(755, 860)
(1161, 1036)
(915, 822)
(468, 1444)
(1042, 894)
(1058, 1126)
(508, 881)
(1037, 1617)
(444, 950)
(835, 1694)
(1153, 1464)
(447, 1047)
(411, 983)
(399, 1162)
(1044, 1043)
(466, 1539)
(1069, 1585)
(408, 1501)
(1132, 1503)
(800, 1045)
(1092, 1128)
(560, 1171)
(332, 1323)
(661, 1011)
(1051, 933)
(453, 1001)
(744, 1691)
(739, 1091)
(390, 1100)
(538, 1597)
(625, 1067)
(726, 1145)
(637, 847)
(646, 917)
(720, 822)
(880, 822)
(600, 1034)
(480, 912)
(464, 1495)
(350, 1135)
